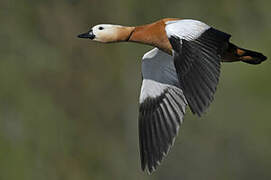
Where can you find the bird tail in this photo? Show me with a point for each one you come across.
(235, 53)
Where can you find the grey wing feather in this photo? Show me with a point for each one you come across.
(162, 107)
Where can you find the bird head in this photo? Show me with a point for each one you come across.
(106, 33)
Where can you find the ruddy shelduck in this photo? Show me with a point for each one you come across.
(183, 69)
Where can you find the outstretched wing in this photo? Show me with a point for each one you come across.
(197, 55)
(162, 107)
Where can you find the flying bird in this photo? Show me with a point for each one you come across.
(182, 69)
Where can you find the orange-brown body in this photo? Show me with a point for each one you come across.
(154, 34)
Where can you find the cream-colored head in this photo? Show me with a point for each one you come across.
(107, 33)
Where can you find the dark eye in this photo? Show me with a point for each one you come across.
(101, 28)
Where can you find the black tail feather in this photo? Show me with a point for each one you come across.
(252, 57)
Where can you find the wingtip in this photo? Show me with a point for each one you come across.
(153, 167)
(150, 170)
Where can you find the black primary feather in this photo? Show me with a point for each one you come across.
(159, 121)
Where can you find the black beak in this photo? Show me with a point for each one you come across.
(88, 35)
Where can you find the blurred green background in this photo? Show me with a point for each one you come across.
(69, 107)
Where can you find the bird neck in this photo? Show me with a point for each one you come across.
(123, 34)
(153, 34)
